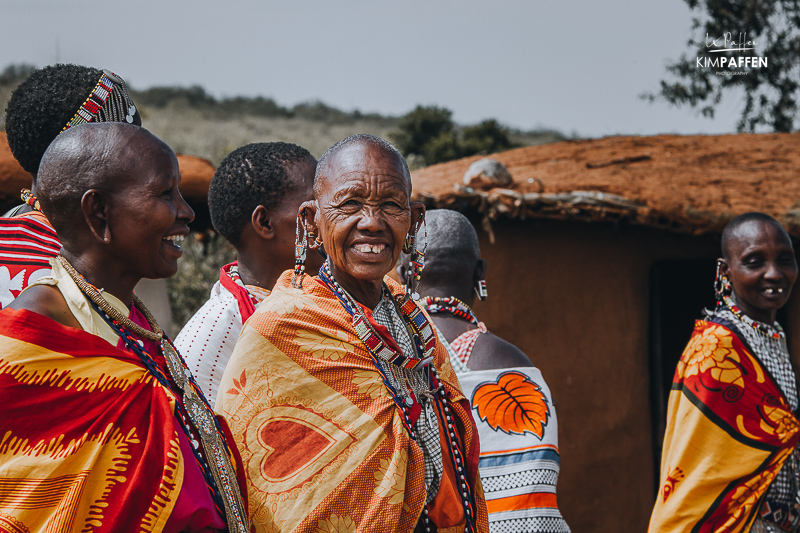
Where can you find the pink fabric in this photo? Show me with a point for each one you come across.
(194, 511)
(464, 343)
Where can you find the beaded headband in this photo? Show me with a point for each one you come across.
(108, 102)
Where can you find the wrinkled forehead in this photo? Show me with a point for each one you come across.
(362, 163)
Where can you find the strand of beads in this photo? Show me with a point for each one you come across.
(452, 305)
(774, 332)
(392, 383)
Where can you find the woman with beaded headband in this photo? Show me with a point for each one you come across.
(730, 460)
(103, 425)
(48, 102)
(341, 397)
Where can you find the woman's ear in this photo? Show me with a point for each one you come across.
(480, 270)
(261, 223)
(724, 267)
(308, 212)
(417, 210)
(97, 214)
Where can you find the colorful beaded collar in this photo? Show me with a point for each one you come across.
(422, 333)
(452, 305)
(766, 330)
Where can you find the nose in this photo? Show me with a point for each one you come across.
(370, 220)
(773, 272)
(185, 211)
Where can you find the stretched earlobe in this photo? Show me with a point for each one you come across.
(722, 286)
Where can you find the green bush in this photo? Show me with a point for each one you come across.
(430, 133)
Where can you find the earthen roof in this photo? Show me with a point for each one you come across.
(690, 184)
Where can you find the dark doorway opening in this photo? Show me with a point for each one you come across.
(679, 291)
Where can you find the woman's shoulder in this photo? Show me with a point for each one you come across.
(308, 305)
(46, 300)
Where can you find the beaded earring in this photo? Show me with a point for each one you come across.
(417, 260)
(480, 289)
(300, 248)
(722, 286)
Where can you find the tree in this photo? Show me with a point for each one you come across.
(771, 91)
(420, 127)
(487, 137)
(15, 74)
(430, 133)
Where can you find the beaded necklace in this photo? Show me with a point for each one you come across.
(452, 305)
(437, 395)
(28, 197)
(776, 332)
(256, 294)
(420, 329)
(194, 412)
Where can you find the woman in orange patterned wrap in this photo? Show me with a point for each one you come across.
(340, 396)
(730, 461)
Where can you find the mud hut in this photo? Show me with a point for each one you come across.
(601, 255)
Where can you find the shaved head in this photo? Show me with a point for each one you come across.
(102, 156)
(361, 140)
(731, 235)
(452, 248)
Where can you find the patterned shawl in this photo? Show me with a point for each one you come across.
(88, 441)
(323, 443)
(729, 431)
(27, 242)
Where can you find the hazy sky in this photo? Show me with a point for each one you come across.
(574, 66)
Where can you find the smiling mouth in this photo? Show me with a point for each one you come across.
(770, 291)
(174, 240)
(370, 248)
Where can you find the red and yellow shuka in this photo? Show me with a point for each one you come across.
(323, 443)
(88, 438)
(729, 431)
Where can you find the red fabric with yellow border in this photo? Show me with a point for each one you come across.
(88, 438)
(729, 431)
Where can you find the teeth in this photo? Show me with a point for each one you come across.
(773, 291)
(174, 238)
(370, 248)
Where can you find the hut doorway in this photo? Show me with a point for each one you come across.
(679, 291)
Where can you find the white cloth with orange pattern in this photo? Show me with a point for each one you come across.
(519, 460)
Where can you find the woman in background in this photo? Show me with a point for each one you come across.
(730, 459)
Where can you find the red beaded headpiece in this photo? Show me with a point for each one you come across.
(108, 102)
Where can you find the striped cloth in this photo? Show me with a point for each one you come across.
(27, 242)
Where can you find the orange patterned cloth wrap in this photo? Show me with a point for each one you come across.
(323, 444)
(729, 431)
(88, 439)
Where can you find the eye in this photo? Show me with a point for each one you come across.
(168, 194)
(753, 262)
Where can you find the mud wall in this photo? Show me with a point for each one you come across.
(575, 298)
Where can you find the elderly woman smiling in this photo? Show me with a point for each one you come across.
(341, 398)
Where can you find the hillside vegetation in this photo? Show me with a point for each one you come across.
(193, 122)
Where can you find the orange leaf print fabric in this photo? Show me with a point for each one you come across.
(513, 404)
